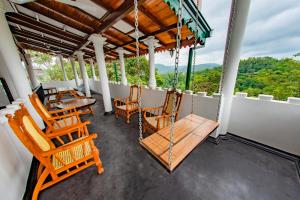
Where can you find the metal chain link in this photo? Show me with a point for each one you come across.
(226, 54)
(136, 23)
(175, 79)
(194, 63)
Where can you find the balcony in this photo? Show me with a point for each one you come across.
(253, 154)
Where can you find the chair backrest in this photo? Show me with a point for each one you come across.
(169, 101)
(39, 107)
(133, 96)
(28, 132)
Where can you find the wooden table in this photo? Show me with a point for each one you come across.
(78, 104)
(189, 132)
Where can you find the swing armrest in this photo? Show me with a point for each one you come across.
(67, 130)
(69, 145)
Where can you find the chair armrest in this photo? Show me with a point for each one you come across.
(71, 109)
(58, 117)
(67, 130)
(151, 108)
(69, 145)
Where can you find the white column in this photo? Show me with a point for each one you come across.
(12, 62)
(93, 69)
(84, 75)
(74, 71)
(120, 50)
(29, 67)
(152, 43)
(235, 35)
(98, 42)
(63, 67)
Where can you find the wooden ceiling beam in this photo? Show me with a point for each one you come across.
(154, 33)
(37, 37)
(43, 27)
(114, 16)
(41, 49)
(155, 20)
(46, 8)
(41, 44)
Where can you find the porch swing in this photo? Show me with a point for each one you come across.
(171, 144)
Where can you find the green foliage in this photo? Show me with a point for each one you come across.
(257, 75)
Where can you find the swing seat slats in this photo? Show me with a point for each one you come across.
(189, 132)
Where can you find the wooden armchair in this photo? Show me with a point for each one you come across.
(56, 163)
(57, 119)
(156, 118)
(129, 105)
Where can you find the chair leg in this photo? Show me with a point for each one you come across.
(127, 118)
(40, 170)
(39, 184)
(97, 160)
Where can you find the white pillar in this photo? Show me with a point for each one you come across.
(93, 69)
(152, 43)
(98, 42)
(12, 61)
(63, 67)
(29, 67)
(84, 75)
(120, 50)
(235, 35)
(74, 71)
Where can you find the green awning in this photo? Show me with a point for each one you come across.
(192, 17)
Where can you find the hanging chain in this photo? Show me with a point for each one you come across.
(226, 54)
(175, 79)
(194, 63)
(136, 23)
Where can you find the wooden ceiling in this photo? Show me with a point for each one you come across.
(53, 27)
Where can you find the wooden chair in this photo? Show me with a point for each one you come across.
(56, 163)
(57, 119)
(156, 118)
(129, 105)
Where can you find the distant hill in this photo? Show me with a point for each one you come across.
(163, 69)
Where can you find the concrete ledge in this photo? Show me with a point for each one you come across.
(293, 100)
(265, 97)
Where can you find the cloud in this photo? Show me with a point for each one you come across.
(272, 30)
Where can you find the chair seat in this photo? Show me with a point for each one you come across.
(130, 107)
(69, 121)
(68, 156)
(162, 122)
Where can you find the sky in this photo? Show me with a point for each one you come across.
(272, 30)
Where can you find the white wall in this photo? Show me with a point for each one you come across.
(15, 161)
(274, 123)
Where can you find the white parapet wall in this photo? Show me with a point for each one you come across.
(262, 119)
(270, 122)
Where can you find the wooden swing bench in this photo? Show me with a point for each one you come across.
(188, 133)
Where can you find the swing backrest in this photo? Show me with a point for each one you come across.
(29, 132)
(134, 90)
(169, 102)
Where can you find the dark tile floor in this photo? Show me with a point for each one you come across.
(229, 171)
